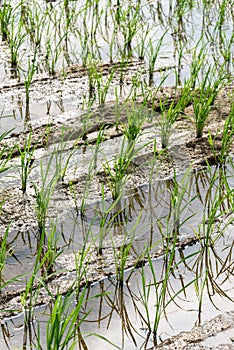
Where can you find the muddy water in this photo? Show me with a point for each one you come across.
(182, 28)
(122, 314)
(119, 314)
(148, 205)
(51, 101)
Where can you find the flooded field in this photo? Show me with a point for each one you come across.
(116, 174)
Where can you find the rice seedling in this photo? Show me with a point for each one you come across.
(117, 110)
(46, 136)
(201, 108)
(137, 87)
(88, 181)
(81, 259)
(100, 139)
(43, 195)
(96, 19)
(177, 197)
(152, 52)
(223, 41)
(129, 20)
(63, 157)
(5, 152)
(179, 210)
(180, 43)
(16, 38)
(5, 251)
(5, 20)
(26, 162)
(103, 86)
(221, 154)
(141, 40)
(51, 251)
(208, 234)
(86, 120)
(68, 19)
(106, 220)
(91, 71)
(67, 315)
(26, 17)
(197, 64)
(34, 21)
(215, 220)
(204, 97)
(118, 174)
(99, 83)
(26, 300)
(104, 216)
(111, 39)
(84, 45)
(136, 117)
(52, 54)
(33, 284)
(121, 254)
(162, 296)
(167, 119)
(169, 115)
(63, 323)
(73, 194)
(28, 80)
(66, 30)
(149, 94)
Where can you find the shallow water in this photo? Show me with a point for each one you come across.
(123, 313)
(149, 205)
(184, 25)
(119, 314)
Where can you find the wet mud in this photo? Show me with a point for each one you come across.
(147, 166)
